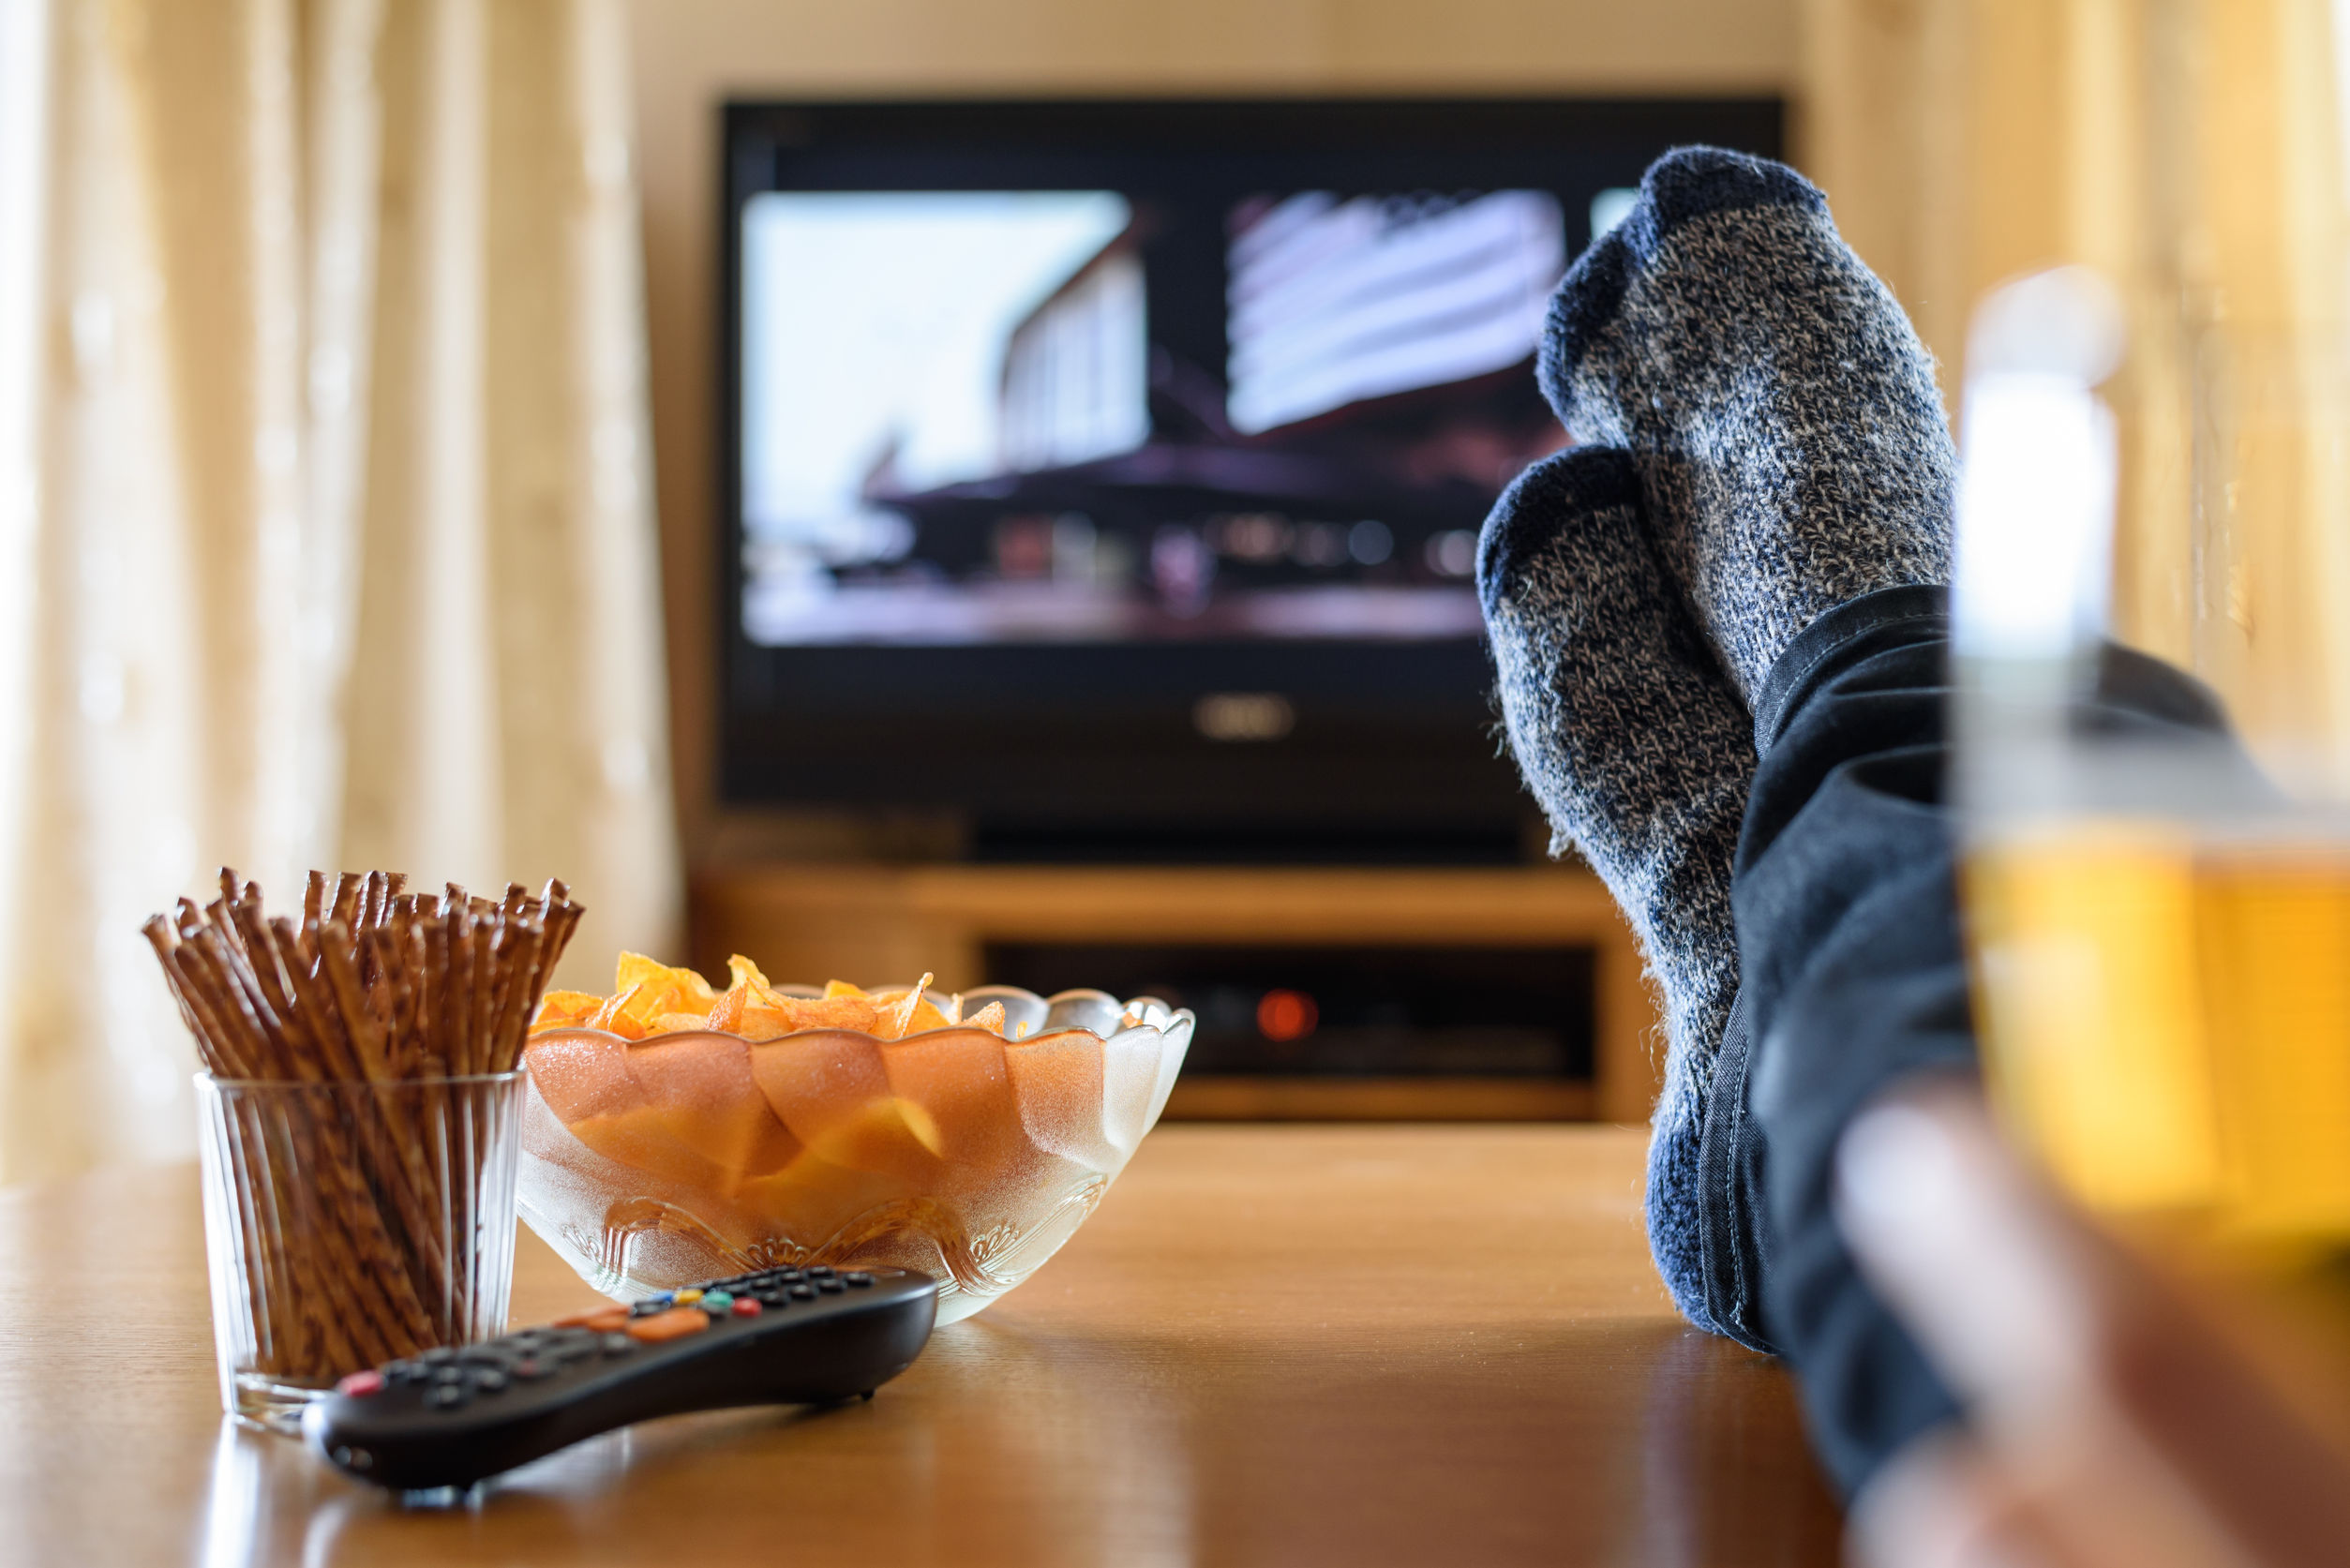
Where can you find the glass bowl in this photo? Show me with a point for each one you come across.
(651, 1164)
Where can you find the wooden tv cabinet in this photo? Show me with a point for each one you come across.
(863, 920)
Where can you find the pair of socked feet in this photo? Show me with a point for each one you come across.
(1760, 440)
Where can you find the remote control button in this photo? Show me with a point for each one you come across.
(804, 1292)
(790, 1276)
(821, 1272)
(490, 1380)
(360, 1385)
(403, 1371)
(774, 1298)
(448, 1397)
(687, 1297)
(658, 1302)
(532, 1371)
(716, 1303)
(445, 1377)
(484, 1356)
(673, 1324)
(830, 1287)
(745, 1307)
(604, 1319)
(859, 1279)
(438, 1356)
(618, 1344)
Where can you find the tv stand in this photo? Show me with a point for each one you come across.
(873, 922)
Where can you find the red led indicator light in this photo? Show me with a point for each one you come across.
(1286, 1015)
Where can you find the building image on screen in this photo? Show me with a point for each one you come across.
(959, 425)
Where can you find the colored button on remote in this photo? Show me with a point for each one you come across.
(604, 1319)
(361, 1383)
(676, 1323)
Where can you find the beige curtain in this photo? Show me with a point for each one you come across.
(325, 535)
(2192, 152)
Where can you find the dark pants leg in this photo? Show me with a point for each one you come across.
(1853, 977)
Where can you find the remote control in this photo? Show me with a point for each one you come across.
(781, 1336)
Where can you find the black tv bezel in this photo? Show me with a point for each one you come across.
(1385, 741)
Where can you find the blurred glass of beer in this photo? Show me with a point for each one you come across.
(2158, 916)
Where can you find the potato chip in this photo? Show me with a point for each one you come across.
(930, 1015)
(898, 1014)
(832, 1012)
(657, 998)
(559, 1009)
(727, 1013)
(761, 1022)
(615, 1015)
(666, 990)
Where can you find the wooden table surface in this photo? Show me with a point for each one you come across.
(1272, 1345)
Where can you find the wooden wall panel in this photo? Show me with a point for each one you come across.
(2190, 150)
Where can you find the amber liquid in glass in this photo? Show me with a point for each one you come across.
(2166, 1018)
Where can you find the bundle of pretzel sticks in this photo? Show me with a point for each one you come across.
(340, 1046)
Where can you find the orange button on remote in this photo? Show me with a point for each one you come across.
(604, 1319)
(676, 1323)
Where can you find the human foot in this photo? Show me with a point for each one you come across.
(1782, 413)
(1640, 755)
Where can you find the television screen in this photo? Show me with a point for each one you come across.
(948, 436)
(1165, 426)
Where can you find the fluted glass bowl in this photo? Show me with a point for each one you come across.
(651, 1164)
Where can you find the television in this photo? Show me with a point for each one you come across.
(1108, 473)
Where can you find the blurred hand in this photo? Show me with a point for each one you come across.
(2111, 1424)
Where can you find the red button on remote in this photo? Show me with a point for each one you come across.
(745, 1307)
(361, 1383)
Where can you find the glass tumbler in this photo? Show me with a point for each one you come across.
(2158, 912)
(350, 1223)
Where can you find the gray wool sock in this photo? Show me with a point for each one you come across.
(1791, 445)
(1640, 753)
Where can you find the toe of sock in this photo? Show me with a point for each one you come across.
(1688, 182)
(1586, 301)
(1549, 496)
(1680, 187)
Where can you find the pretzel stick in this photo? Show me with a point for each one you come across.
(355, 1193)
(348, 887)
(356, 1231)
(491, 955)
(344, 1231)
(410, 1184)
